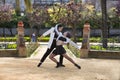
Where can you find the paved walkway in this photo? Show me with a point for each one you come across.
(25, 69)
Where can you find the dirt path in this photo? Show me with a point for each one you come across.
(92, 69)
(25, 69)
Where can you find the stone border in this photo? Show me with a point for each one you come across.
(8, 53)
(104, 54)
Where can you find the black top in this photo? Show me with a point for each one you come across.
(56, 35)
(62, 38)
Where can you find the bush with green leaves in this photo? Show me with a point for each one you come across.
(11, 46)
(46, 39)
(31, 47)
(97, 47)
(27, 39)
(74, 50)
(8, 46)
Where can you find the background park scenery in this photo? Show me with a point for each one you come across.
(103, 17)
(95, 28)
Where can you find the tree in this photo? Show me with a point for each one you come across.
(68, 14)
(104, 23)
(28, 5)
(17, 8)
(39, 17)
(5, 15)
(118, 8)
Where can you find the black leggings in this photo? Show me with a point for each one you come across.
(49, 51)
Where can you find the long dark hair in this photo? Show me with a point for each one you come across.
(68, 34)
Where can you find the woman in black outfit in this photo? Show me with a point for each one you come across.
(54, 33)
(61, 51)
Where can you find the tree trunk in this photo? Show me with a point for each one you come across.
(3, 31)
(37, 33)
(17, 9)
(10, 29)
(104, 23)
(28, 6)
(74, 33)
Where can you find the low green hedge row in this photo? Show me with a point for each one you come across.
(27, 39)
(98, 47)
(46, 39)
(8, 46)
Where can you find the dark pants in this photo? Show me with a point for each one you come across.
(49, 51)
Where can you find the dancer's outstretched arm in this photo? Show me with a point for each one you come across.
(48, 32)
(72, 43)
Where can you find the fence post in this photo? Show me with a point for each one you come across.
(85, 42)
(20, 40)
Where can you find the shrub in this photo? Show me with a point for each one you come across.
(27, 39)
(75, 51)
(8, 46)
(97, 47)
(45, 39)
(31, 48)
(11, 46)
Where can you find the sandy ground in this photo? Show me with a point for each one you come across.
(26, 69)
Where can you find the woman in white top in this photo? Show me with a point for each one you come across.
(54, 33)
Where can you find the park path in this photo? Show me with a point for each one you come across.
(42, 49)
(26, 69)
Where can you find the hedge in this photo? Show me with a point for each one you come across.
(46, 39)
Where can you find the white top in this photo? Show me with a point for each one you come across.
(52, 34)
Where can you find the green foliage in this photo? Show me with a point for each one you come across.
(27, 39)
(97, 47)
(8, 46)
(8, 39)
(70, 13)
(13, 39)
(114, 48)
(45, 39)
(31, 48)
(11, 46)
(92, 39)
(95, 39)
(75, 51)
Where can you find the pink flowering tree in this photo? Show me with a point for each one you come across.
(5, 15)
(38, 17)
